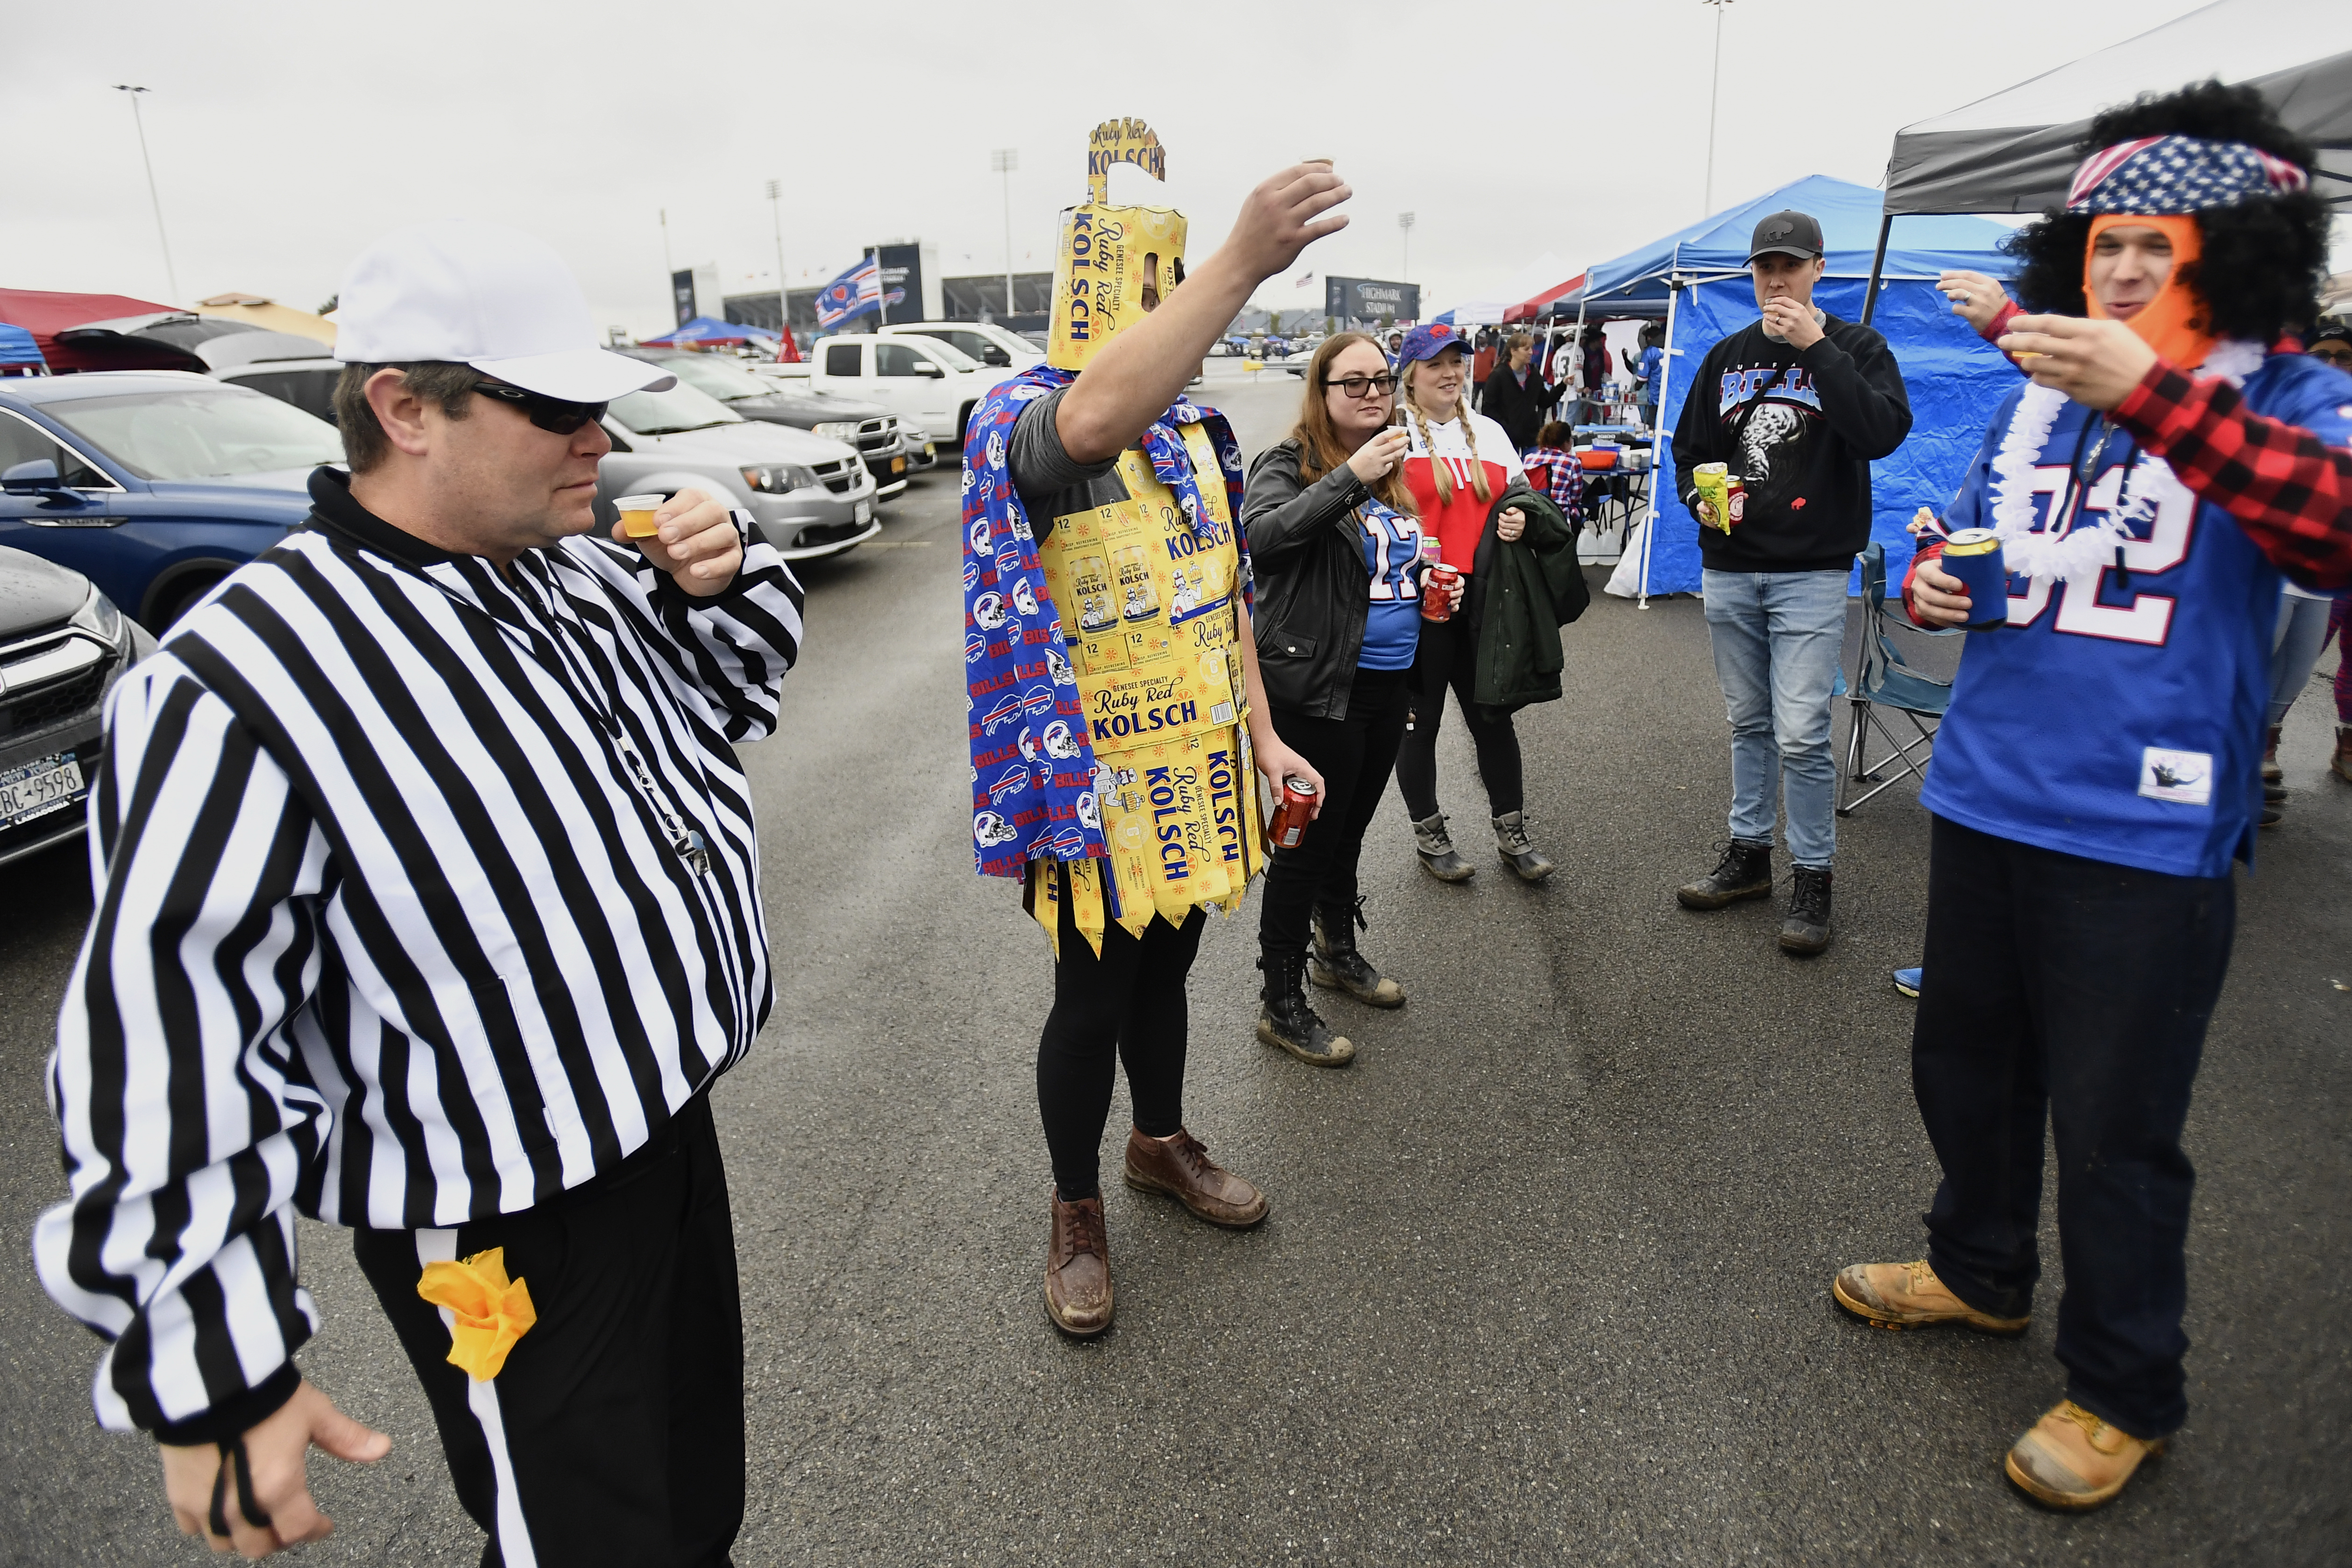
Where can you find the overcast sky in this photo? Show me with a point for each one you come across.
(286, 136)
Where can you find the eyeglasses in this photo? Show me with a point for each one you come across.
(552, 414)
(1362, 386)
(2336, 354)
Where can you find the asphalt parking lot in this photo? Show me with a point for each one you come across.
(1545, 1279)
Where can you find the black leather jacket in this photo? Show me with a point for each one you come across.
(1314, 591)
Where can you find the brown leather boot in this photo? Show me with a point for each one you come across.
(1181, 1168)
(2072, 1459)
(1078, 1268)
(1909, 1296)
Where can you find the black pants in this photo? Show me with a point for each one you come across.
(1127, 1006)
(1449, 656)
(614, 1432)
(2080, 990)
(1355, 755)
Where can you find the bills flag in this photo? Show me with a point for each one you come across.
(853, 293)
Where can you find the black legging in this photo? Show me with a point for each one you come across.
(1355, 755)
(1449, 656)
(1126, 1005)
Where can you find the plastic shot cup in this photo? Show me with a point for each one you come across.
(637, 515)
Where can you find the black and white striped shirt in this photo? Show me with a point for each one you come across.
(424, 893)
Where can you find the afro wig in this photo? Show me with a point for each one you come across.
(2264, 260)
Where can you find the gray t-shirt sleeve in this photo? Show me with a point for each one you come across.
(1042, 468)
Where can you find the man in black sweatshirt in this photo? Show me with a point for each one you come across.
(1797, 406)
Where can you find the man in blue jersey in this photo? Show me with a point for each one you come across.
(2098, 770)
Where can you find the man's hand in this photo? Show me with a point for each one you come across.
(1783, 317)
(695, 541)
(1512, 523)
(1976, 298)
(2096, 363)
(1282, 218)
(1278, 762)
(275, 1452)
(1705, 510)
(1937, 598)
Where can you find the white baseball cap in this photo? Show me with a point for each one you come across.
(475, 293)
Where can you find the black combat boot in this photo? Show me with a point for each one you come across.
(1435, 847)
(1336, 963)
(1289, 1021)
(1746, 873)
(1806, 929)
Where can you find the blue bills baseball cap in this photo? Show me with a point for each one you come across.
(1430, 340)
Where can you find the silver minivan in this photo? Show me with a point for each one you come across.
(810, 495)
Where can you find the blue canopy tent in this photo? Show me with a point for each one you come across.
(707, 330)
(1955, 379)
(20, 354)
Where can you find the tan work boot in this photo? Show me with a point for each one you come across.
(2072, 1459)
(1180, 1167)
(1078, 1268)
(1909, 1296)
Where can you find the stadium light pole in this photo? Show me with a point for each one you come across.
(1003, 161)
(1715, 84)
(171, 276)
(1404, 226)
(783, 284)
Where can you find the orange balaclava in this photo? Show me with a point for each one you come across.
(2173, 323)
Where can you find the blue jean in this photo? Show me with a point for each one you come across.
(2294, 652)
(1778, 636)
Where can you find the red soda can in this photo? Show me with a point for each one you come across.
(1290, 816)
(1437, 592)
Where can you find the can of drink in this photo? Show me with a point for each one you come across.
(1723, 493)
(1973, 555)
(1437, 592)
(1290, 816)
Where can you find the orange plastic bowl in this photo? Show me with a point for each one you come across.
(1592, 458)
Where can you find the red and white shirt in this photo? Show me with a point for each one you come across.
(1459, 522)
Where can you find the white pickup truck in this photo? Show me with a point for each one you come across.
(923, 381)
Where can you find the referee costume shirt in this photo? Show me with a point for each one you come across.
(424, 893)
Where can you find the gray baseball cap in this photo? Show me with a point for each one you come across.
(1788, 233)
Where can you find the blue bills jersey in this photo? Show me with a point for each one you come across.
(2121, 720)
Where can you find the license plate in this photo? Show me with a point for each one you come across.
(865, 511)
(46, 784)
(930, 449)
(898, 466)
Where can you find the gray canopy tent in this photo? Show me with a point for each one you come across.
(2016, 151)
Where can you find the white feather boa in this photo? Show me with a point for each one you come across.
(2086, 550)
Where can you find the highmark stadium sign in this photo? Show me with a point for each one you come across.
(1370, 299)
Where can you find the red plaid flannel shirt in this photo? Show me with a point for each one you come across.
(2290, 492)
(1557, 475)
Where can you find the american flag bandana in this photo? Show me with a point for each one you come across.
(2176, 175)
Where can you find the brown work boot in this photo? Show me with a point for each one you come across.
(1078, 1268)
(1909, 1296)
(1181, 1168)
(2341, 764)
(2072, 1459)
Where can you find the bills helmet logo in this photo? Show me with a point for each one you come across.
(1057, 740)
(1038, 700)
(1012, 781)
(1068, 844)
(1022, 599)
(970, 575)
(1028, 744)
(1007, 709)
(975, 648)
(1087, 815)
(1020, 524)
(991, 830)
(996, 449)
(968, 477)
(1062, 674)
(1023, 393)
(1008, 560)
(988, 610)
(979, 536)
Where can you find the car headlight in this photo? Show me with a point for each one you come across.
(98, 618)
(777, 479)
(836, 431)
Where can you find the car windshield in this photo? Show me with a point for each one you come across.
(667, 412)
(199, 432)
(948, 355)
(727, 383)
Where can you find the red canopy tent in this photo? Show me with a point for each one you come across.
(1530, 309)
(45, 314)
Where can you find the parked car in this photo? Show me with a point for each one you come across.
(153, 484)
(873, 429)
(811, 496)
(983, 341)
(919, 379)
(63, 645)
(308, 384)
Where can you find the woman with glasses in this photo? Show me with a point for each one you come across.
(1336, 549)
(1457, 464)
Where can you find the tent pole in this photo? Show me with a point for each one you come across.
(1665, 377)
(1877, 265)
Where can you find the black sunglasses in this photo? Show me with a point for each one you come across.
(552, 414)
(1362, 386)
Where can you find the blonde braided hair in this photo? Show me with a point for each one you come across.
(1439, 474)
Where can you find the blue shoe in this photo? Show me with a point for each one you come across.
(1907, 981)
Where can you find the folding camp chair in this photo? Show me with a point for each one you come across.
(1883, 680)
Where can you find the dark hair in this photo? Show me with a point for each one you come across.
(1554, 435)
(436, 381)
(2264, 260)
(1320, 450)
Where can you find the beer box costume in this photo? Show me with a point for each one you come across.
(1108, 721)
